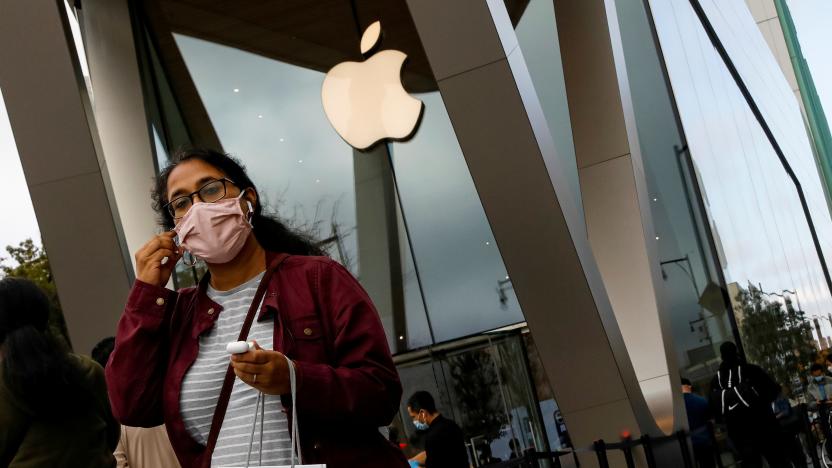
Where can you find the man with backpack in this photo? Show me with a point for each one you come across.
(741, 395)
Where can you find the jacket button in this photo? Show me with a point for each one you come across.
(307, 331)
(211, 311)
(160, 301)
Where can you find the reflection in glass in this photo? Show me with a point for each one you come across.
(752, 206)
(460, 266)
(485, 390)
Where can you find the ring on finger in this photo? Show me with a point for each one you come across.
(255, 379)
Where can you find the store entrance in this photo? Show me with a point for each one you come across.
(485, 385)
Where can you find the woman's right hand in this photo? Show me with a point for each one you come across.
(150, 266)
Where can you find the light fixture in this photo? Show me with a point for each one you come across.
(506, 276)
(317, 181)
(236, 90)
(655, 199)
(657, 237)
(401, 337)
(281, 140)
(300, 161)
(487, 243)
(260, 116)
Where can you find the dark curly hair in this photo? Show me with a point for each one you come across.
(271, 233)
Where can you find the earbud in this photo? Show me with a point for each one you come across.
(239, 347)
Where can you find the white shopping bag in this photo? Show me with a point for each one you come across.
(295, 457)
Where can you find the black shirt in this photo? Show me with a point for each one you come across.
(445, 445)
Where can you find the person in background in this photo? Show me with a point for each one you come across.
(742, 395)
(699, 416)
(790, 426)
(828, 363)
(54, 410)
(820, 389)
(820, 385)
(138, 447)
(487, 457)
(443, 439)
(514, 447)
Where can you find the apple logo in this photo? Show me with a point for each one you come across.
(365, 101)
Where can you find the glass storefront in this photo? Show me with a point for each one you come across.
(250, 81)
(690, 285)
(772, 272)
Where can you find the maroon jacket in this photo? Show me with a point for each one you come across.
(347, 385)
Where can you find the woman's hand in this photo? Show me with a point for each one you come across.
(151, 267)
(267, 371)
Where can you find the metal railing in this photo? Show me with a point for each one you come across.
(601, 448)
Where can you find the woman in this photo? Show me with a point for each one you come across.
(53, 404)
(169, 361)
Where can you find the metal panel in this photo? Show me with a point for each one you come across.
(57, 142)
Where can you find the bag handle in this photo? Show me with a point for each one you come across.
(295, 456)
(228, 383)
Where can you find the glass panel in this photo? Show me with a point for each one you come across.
(419, 332)
(690, 286)
(520, 400)
(753, 207)
(556, 433)
(162, 158)
(459, 263)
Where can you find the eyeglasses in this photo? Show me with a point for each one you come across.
(211, 192)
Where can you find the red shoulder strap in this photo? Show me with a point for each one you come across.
(228, 383)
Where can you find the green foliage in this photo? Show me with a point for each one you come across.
(32, 264)
(477, 386)
(777, 338)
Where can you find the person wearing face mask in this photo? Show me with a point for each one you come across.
(443, 439)
(270, 286)
(820, 389)
(820, 385)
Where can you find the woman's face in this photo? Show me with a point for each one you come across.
(190, 176)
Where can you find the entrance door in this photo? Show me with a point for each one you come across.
(484, 386)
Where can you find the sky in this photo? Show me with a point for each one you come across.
(17, 214)
(812, 20)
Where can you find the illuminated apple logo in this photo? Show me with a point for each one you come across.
(365, 101)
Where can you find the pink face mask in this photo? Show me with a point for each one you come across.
(215, 232)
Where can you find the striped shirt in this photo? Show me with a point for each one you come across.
(203, 381)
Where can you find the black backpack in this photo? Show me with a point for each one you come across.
(736, 392)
